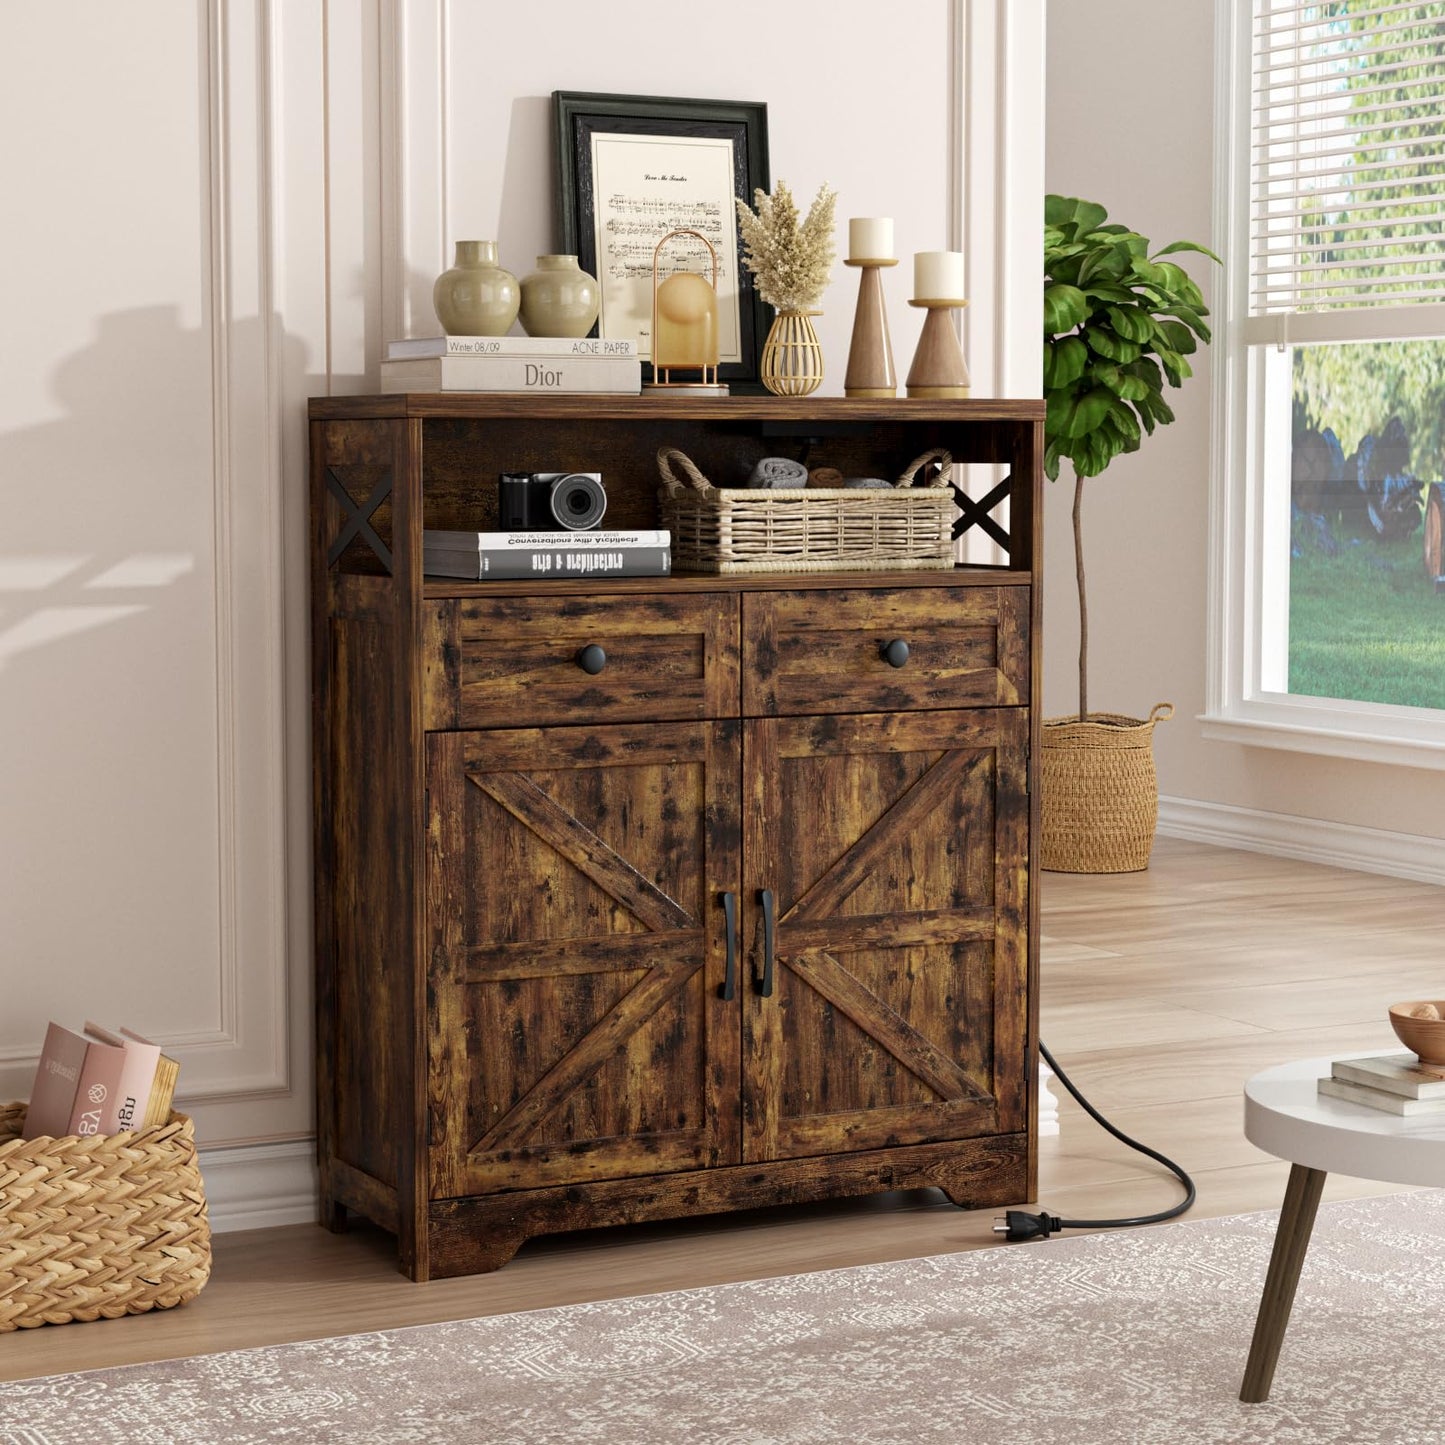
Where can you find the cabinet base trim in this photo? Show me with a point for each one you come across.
(470, 1236)
(363, 1194)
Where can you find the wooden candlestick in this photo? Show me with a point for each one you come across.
(870, 357)
(938, 369)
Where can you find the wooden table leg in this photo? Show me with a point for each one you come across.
(1296, 1220)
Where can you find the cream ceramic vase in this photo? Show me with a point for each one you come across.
(559, 298)
(476, 297)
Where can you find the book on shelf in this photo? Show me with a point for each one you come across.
(98, 1082)
(444, 541)
(1398, 1073)
(561, 559)
(1381, 1099)
(428, 347)
(56, 1079)
(542, 376)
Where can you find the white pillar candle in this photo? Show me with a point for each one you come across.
(938, 276)
(870, 238)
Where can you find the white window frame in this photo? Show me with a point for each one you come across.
(1238, 709)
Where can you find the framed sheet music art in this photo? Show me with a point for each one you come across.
(631, 168)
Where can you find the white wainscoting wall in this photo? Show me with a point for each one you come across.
(237, 205)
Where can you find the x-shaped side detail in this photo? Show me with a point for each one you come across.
(358, 518)
(976, 513)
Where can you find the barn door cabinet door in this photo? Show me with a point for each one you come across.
(578, 892)
(886, 916)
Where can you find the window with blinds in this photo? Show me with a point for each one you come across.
(1347, 156)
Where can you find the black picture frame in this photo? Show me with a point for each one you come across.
(579, 114)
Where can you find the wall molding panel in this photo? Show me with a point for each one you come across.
(239, 1062)
(250, 1054)
(996, 209)
(415, 156)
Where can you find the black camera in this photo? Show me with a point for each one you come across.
(550, 501)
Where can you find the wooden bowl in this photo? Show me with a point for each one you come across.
(1423, 1037)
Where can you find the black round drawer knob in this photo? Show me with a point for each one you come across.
(895, 653)
(592, 659)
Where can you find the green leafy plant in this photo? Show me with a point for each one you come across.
(1118, 324)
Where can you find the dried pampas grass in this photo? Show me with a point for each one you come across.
(791, 263)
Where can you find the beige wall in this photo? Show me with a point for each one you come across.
(204, 245)
(1143, 147)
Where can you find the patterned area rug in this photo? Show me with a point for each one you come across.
(1132, 1337)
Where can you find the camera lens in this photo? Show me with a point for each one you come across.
(578, 501)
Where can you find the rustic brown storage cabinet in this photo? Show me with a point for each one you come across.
(747, 917)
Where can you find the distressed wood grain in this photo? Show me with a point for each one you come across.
(521, 868)
(968, 646)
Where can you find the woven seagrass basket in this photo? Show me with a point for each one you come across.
(1100, 799)
(808, 529)
(99, 1226)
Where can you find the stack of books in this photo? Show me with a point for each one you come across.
(1394, 1083)
(506, 556)
(97, 1082)
(544, 365)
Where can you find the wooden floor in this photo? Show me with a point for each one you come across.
(1162, 992)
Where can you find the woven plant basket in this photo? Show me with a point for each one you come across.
(1100, 792)
(99, 1226)
(808, 529)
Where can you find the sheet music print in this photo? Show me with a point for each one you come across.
(644, 188)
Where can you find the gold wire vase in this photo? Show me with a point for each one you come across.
(792, 355)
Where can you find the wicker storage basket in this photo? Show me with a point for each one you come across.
(1100, 792)
(101, 1226)
(807, 529)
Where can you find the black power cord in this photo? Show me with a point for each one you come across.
(1017, 1224)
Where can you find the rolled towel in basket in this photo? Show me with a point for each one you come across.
(778, 473)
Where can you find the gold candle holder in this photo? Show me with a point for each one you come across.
(870, 356)
(938, 369)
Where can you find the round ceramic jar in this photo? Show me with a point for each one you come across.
(559, 298)
(476, 297)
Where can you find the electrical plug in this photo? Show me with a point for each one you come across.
(1017, 1225)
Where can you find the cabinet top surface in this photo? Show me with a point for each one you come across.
(463, 405)
(438, 588)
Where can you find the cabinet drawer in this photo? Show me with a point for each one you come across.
(822, 652)
(504, 661)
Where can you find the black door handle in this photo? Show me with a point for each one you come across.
(765, 897)
(730, 922)
(591, 659)
(894, 653)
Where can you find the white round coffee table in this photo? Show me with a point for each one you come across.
(1285, 1116)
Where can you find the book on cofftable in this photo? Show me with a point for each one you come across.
(427, 347)
(56, 1079)
(1381, 1099)
(1399, 1073)
(542, 376)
